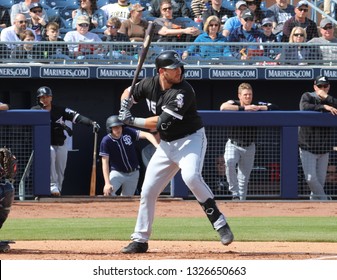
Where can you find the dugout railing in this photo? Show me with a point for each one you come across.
(277, 172)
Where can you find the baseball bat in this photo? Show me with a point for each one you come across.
(145, 48)
(93, 169)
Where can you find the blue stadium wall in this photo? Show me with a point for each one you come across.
(96, 95)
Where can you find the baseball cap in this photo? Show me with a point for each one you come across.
(321, 80)
(302, 3)
(82, 19)
(326, 21)
(239, 4)
(247, 14)
(35, 5)
(136, 7)
(266, 21)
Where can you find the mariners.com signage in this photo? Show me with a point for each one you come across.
(191, 73)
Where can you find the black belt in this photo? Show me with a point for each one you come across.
(241, 144)
(170, 139)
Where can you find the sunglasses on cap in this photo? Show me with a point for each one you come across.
(298, 34)
(323, 86)
(327, 27)
(303, 10)
(267, 25)
(83, 25)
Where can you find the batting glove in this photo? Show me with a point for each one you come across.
(127, 103)
(125, 116)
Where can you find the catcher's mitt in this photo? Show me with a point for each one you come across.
(8, 164)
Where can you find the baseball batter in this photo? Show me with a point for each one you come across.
(172, 101)
(58, 149)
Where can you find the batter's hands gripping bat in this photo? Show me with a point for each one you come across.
(93, 170)
(146, 45)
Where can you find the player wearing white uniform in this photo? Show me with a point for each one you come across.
(183, 145)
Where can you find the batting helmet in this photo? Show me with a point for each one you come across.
(169, 60)
(111, 122)
(44, 91)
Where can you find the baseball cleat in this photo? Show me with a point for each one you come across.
(135, 248)
(4, 245)
(226, 235)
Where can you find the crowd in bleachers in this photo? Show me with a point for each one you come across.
(258, 32)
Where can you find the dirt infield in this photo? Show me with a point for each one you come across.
(105, 250)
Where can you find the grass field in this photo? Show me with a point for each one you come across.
(291, 229)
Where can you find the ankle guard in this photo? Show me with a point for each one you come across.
(211, 210)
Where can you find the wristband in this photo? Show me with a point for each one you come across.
(241, 108)
(139, 122)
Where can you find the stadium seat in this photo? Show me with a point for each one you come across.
(60, 4)
(230, 5)
(66, 12)
(7, 3)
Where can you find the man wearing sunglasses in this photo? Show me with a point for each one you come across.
(24, 8)
(12, 33)
(300, 19)
(315, 142)
(324, 52)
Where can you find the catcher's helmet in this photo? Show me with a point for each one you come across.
(44, 91)
(111, 122)
(169, 60)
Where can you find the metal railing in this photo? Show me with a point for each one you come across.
(102, 53)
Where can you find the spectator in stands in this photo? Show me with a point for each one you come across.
(27, 52)
(327, 53)
(82, 34)
(300, 19)
(216, 9)
(268, 36)
(279, 13)
(111, 34)
(120, 164)
(234, 22)
(179, 8)
(12, 33)
(240, 148)
(55, 50)
(135, 26)
(89, 8)
(315, 143)
(211, 34)
(254, 6)
(5, 19)
(247, 32)
(37, 22)
(169, 29)
(119, 9)
(198, 7)
(298, 54)
(24, 8)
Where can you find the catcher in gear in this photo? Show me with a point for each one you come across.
(6, 200)
(58, 149)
